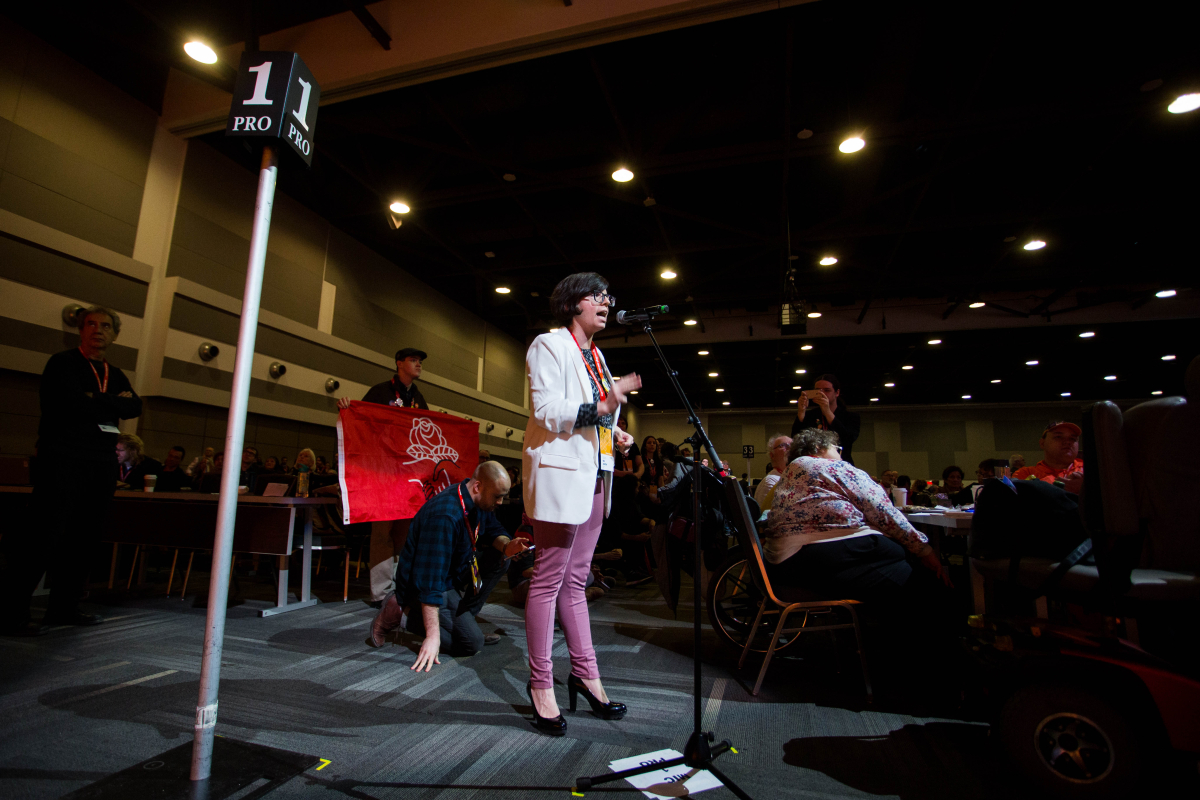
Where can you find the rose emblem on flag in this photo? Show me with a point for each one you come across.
(426, 443)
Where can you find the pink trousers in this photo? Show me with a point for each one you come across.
(560, 570)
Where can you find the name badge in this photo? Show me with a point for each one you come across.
(110, 429)
(606, 449)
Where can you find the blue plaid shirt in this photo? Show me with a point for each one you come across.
(438, 548)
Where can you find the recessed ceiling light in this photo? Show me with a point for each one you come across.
(1165, 293)
(634, 391)
(1185, 103)
(1110, 377)
(720, 390)
(622, 175)
(814, 314)
(874, 399)
(725, 403)
(806, 347)
(1064, 394)
(1087, 334)
(966, 397)
(801, 372)
(703, 352)
(977, 305)
(997, 380)
(793, 402)
(797, 387)
(508, 176)
(889, 385)
(1036, 244)
(712, 374)
(828, 261)
(490, 254)
(1033, 363)
(934, 341)
(649, 405)
(1156, 393)
(502, 290)
(399, 207)
(689, 322)
(804, 134)
(854, 144)
(552, 330)
(668, 274)
(1168, 358)
(201, 52)
(907, 366)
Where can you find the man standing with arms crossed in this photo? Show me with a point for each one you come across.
(387, 536)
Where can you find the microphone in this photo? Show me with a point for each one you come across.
(641, 314)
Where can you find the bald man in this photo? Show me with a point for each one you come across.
(455, 553)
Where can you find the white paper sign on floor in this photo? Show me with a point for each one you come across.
(666, 781)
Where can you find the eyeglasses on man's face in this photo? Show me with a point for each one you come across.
(601, 298)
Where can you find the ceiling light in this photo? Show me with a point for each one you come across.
(720, 390)
(399, 208)
(1168, 358)
(793, 402)
(966, 397)
(934, 341)
(801, 372)
(806, 347)
(828, 261)
(1033, 363)
(552, 330)
(907, 366)
(977, 305)
(725, 403)
(797, 387)
(1156, 393)
(622, 175)
(489, 254)
(874, 399)
(712, 374)
(508, 176)
(689, 322)
(1087, 334)
(804, 134)
(703, 352)
(854, 144)
(1036, 244)
(668, 274)
(1110, 377)
(889, 385)
(634, 391)
(502, 290)
(1165, 293)
(203, 53)
(649, 405)
(1064, 394)
(997, 380)
(1185, 103)
(814, 314)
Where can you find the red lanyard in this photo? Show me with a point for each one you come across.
(103, 386)
(125, 471)
(467, 519)
(600, 385)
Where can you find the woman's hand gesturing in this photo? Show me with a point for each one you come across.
(618, 396)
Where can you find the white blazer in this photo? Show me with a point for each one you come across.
(558, 466)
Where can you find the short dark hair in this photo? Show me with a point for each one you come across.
(179, 447)
(564, 301)
(950, 469)
(812, 442)
(829, 376)
(903, 482)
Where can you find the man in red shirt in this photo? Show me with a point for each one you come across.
(1060, 458)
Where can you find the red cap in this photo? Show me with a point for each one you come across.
(1071, 426)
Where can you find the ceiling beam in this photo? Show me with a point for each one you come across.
(359, 10)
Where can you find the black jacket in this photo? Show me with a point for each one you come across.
(845, 423)
(385, 394)
(73, 409)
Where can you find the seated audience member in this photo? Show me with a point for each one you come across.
(1016, 461)
(1060, 458)
(904, 482)
(251, 467)
(322, 466)
(484, 455)
(832, 530)
(955, 491)
(132, 464)
(437, 559)
(777, 450)
(201, 464)
(218, 463)
(285, 468)
(172, 477)
(270, 465)
(685, 451)
(888, 479)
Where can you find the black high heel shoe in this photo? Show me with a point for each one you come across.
(609, 710)
(554, 727)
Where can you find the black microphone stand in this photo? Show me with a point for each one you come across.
(698, 754)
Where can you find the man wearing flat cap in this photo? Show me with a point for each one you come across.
(1060, 458)
(388, 536)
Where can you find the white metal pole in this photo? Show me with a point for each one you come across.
(218, 587)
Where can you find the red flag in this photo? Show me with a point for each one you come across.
(391, 460)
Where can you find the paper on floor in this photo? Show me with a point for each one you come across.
(681, 773)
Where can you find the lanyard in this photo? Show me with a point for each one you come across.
(103, 386)
(467, 519)
(125, 471)
(399, 399)
(601, 386)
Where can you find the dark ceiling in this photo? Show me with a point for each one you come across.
(982, 132)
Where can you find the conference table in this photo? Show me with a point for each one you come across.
(951, 521)
(188, 521)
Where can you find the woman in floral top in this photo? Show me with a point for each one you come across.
(833, 530)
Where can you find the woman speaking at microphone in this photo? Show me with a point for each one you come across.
(567, 469)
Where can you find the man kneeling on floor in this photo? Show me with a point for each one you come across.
(455, 554)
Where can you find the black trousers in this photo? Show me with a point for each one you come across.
(460, 632)
(66, 516)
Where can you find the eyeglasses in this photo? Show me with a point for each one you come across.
(600, 298)
(838, 447)
(781, 446)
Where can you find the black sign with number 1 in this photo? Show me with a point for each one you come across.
(275, 96)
